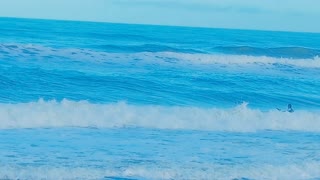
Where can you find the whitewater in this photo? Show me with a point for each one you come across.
(85, 100)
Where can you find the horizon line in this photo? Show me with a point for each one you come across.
(165, 25)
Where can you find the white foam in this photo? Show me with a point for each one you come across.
(40, 52)
(84, 114)
(244, 59)
(304, 170)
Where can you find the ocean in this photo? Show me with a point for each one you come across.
(86, 100)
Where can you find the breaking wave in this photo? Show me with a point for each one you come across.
(47, 114)
(37, 52)
(305, 170)
(285, 52)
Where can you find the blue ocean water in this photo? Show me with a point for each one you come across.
(85, 100)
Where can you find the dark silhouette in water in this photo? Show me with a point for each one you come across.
(290, 110)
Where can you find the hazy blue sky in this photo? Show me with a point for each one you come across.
(291, 15)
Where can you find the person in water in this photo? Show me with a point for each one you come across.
(290, 110)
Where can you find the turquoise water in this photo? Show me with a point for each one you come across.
(82, 100)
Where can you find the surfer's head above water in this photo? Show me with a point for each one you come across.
(290, 108)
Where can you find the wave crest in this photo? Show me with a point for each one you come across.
(43, 114)
(285, 52)
(31, 52)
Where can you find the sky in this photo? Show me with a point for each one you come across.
(278, 15)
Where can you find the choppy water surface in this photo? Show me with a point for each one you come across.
(81, 100)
